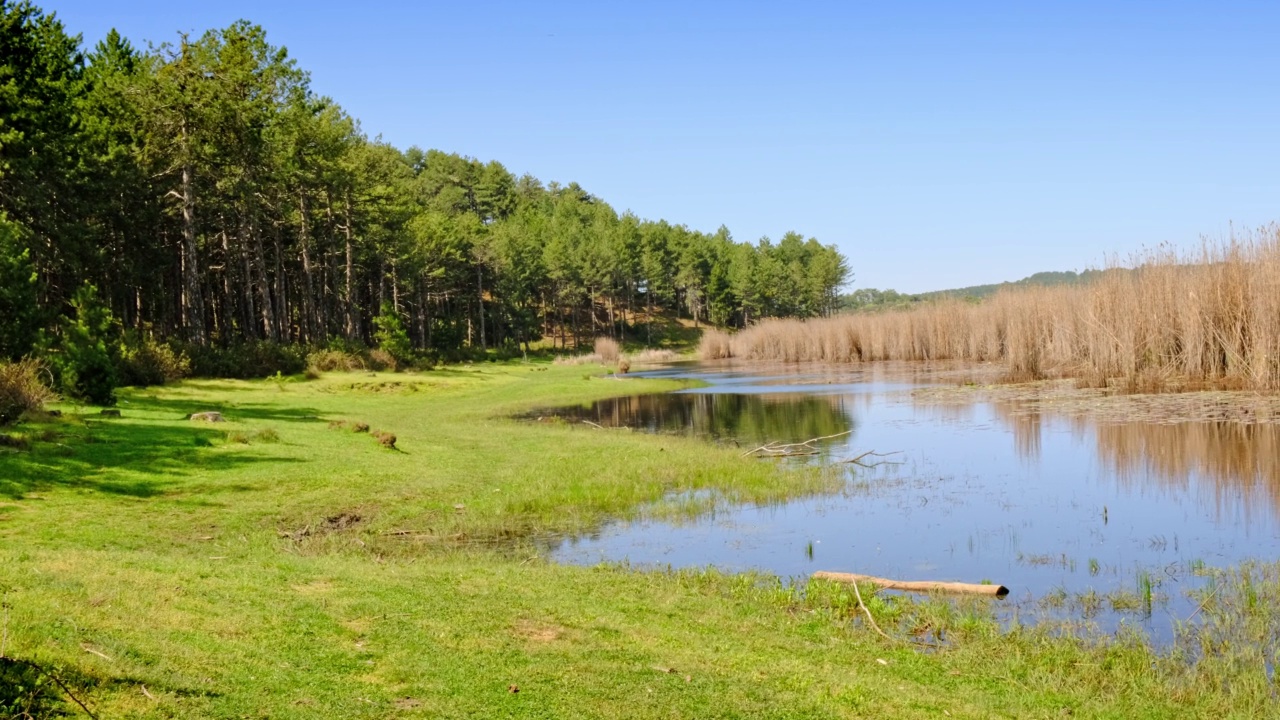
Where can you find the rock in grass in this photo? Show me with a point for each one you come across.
(205, 417)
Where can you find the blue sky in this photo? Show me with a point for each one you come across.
(937, 144)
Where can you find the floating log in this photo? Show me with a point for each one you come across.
(916, 585)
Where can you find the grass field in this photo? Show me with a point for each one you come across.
(283, 565)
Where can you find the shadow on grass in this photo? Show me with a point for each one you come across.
(181, 408)
(133, 457)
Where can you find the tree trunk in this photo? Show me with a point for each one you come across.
(480, 304)
(613, 322)
(916, 585)
(285, 328)
(228, 309)
(648, 312)
(349, 298)
(192, 301)
(395, 287)
(309, 319)
(249, 309)
(265, 305)
(423, 340)
(576, 333)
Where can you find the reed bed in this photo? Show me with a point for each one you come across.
(1170, 321)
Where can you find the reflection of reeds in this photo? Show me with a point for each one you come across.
(1236, 457)
(1175, 320)
(1027, 428)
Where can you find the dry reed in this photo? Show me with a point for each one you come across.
(608, 352)
(1172, 321)
(650, 356)
(608, 349)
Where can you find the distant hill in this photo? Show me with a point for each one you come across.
(871, 299)
(1067, 277)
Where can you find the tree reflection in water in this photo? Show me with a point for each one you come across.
(745, 419)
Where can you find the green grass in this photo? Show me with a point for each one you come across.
(280, 565)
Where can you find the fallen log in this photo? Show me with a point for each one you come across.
(916, 585)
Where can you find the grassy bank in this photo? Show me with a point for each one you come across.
(1177, 320)
(286, 564)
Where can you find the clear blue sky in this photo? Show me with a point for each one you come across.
(937, 144)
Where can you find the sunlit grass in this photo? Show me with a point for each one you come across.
(308, 571)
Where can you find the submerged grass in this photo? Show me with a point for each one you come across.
(171, 571)
(1173, 321)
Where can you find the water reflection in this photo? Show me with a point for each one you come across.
(723, 416)
(1037, 501)
(1240, 462)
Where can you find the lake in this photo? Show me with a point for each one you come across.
(1054, 506)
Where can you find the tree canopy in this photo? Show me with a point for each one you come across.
(209, 194)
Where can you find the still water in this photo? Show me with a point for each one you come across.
(1049, 506)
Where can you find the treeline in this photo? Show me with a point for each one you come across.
(212, 197)
(871, 299)
(1040, 279)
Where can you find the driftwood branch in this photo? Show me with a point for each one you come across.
(916, 585)
(871, 453)
(871, 619)
(776, 449)
(866, 611)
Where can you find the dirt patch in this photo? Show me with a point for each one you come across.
(386, 386)
(341, 521)
(538, 632)
(316, 587)
(332, 524)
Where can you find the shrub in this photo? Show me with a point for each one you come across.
(382, 360)
(143, 361)
(391, 335)
(255, 359)
(608, 349)
(336, 360)
(22, 389)
(269, 435)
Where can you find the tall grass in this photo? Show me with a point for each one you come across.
(22, 388)
(608, 349)
(1174, 320)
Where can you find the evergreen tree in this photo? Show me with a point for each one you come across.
(89, 344)
(209, 195)
(19, 302)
